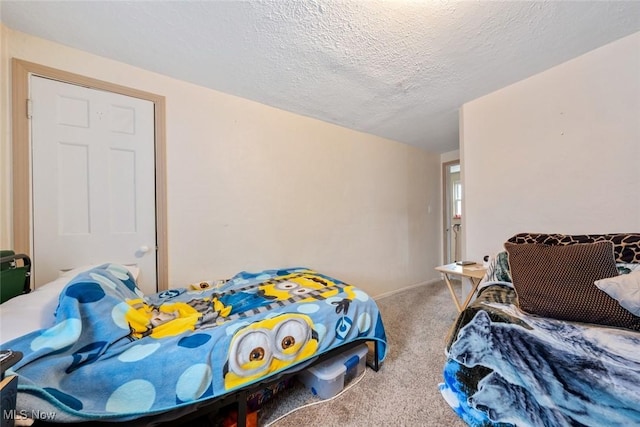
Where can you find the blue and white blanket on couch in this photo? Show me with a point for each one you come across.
(115, 354)
(506, 368)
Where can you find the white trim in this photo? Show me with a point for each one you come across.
(406, 288)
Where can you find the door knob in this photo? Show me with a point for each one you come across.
(142, 250)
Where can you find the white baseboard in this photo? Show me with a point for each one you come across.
(406, 288)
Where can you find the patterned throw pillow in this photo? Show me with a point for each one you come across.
(626, 246)
(558, 282)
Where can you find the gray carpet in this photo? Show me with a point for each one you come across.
(404, 392)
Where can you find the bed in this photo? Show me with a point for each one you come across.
(553, 337)
(112, 354)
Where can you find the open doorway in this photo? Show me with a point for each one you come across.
(452, 211)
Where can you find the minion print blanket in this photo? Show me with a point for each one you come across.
(116, 354)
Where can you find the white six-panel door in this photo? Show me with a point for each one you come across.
(93, 180)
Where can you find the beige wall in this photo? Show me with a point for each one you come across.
(253, 187)
(5, 137)
(557, 152)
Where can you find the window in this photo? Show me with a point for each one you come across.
(457, 200)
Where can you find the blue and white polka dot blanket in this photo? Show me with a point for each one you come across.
(115, 354)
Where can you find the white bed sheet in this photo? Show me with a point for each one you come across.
(35, 310)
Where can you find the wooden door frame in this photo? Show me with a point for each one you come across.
(21, 149)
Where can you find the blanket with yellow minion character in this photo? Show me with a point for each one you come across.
(117, 354)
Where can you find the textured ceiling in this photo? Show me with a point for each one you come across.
(396, 68)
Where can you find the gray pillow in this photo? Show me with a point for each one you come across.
(625, 289)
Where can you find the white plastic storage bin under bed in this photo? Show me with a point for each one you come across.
(329, 377)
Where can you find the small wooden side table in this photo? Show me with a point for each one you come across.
(474, 273)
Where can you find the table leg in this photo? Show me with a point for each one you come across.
(452, 291)
(475, 282)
